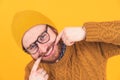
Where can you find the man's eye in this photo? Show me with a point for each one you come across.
(42, 37)
(33, 46)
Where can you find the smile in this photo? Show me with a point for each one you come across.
(49, 52)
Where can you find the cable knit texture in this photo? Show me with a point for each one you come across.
(86, 60)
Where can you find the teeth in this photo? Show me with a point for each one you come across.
(48, 52)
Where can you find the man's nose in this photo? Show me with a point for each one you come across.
(42, 47)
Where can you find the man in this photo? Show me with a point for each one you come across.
(76, 53)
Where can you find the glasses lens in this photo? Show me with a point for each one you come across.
(33, 48)
(44, 38)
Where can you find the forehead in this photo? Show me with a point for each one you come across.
(31, 35)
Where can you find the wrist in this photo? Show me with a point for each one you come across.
(84, 30)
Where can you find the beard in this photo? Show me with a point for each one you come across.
(56, 54)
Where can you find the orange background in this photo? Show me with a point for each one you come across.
(62, 13)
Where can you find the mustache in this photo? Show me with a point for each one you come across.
(48, 48)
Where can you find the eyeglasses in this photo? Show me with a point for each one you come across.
(43, 38)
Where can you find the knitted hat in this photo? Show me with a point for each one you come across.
(24, 20)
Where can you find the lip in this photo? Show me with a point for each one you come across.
(49, 53)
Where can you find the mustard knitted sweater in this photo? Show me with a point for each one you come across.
(86, 60)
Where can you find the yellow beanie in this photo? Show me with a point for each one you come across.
(24, 20)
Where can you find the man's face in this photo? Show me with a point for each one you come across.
(39, 41)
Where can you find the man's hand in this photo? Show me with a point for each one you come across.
(70, 35)
(38, 74)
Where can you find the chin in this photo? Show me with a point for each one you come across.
(50, 62)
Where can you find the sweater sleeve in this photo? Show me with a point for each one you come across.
(108, 32)
(27, 73)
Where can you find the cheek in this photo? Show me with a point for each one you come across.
(35, 56)
(52, 37)
(56, 50)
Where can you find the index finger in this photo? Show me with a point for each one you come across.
(36, 64)
(58, 37)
